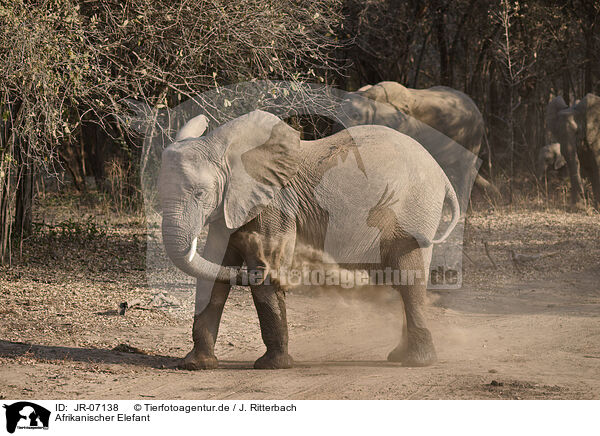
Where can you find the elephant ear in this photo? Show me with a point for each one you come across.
(193, 128)
(588, 111)
(559, 162)
(262, 159)
(375, 93)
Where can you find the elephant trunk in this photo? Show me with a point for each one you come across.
(182, 247)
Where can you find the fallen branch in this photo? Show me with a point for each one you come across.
(468, 257)
(487, 253)
(525, 258)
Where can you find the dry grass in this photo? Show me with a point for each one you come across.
(566, 240)
(531, 194)
(73, 273)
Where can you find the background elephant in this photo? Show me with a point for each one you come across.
(252, 192)
(549, 158)
(448, 111)
(577, 129)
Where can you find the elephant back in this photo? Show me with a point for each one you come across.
(356, 168)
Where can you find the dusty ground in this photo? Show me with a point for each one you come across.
(526, 332)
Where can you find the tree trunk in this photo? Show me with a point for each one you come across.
(5, 194)
(25, 184)
(415, 80)
(440, 30)
(7, 160)
(588, 83)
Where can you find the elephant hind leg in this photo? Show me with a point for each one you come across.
(416, 348)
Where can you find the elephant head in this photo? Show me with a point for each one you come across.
(549, 157)
(393, 93)
(577, 129)
(359, 108)
(387, 103)
(223, 179)
(561, 122)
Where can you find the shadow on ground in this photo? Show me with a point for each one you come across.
(15, 350)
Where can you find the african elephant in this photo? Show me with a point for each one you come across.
(448, 111)
(549, 157)
(252, 192)
(577, 129)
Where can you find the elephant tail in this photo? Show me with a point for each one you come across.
(455, 207)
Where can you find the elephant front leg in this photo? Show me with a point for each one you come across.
(206, 328)
(270, 306)
(268, 251)
(210, 300)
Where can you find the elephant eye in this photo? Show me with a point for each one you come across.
(198, 194)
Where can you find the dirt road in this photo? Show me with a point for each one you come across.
(532, 333)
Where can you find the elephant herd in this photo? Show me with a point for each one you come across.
(239, 202)
(576, 128)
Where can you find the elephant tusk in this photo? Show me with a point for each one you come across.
(192, 251)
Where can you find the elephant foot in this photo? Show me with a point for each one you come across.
(274, 360)
(196, 360)
(418, 352)
(398, 354)
(422, 355)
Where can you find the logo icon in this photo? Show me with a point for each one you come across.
(26, 415)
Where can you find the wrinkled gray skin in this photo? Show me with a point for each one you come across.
(577, 129)
(447, 110)
(549, 158)
(251, 192)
